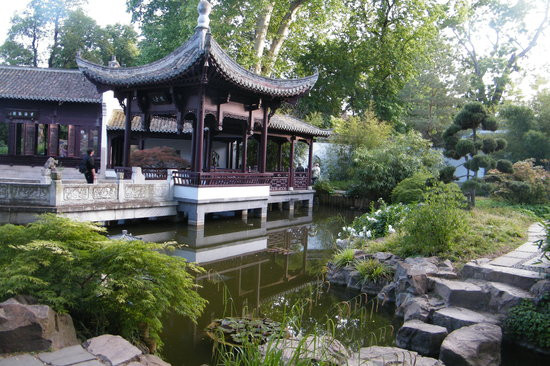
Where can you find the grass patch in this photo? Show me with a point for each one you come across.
(541, 211)
(343, 257)
(372, 270)
(490, 232)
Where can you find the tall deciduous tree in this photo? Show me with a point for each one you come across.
(36, 29)
(505, 27)
(255, 32)
(374, 54)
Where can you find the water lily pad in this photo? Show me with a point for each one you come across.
(243, 331)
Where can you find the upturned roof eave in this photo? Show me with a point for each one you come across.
(178, 64)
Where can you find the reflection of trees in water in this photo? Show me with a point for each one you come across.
(325, 228)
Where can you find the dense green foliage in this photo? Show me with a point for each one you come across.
(378, 171)
(106, 285)
(530, 322)
(62, 27)
(323, 187)
(527, 129)
(412, 189)
(433, 227)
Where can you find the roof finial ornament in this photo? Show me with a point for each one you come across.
(204, 10)
(114, 62)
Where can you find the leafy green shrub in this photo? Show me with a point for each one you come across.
(378, 171)
(343, 257)
(377, 223)
(107, 286)
(526, 184)
(505, 166)
(530, 322)
(432, 227)
(372, 270)
(323, 187)
(411, 189)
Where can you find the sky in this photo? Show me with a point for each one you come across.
(114, 11)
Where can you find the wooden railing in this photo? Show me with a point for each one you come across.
(126, 170)
(301, 180)
(155, 173)
(219, 179)
(278, 181)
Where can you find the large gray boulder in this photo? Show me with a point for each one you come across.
(386, 356)
(423, 338)
(112, 349)
(475, 345)
(30, 328)
(454, 318)
(323, 349)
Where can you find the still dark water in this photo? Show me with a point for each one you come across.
(263, 271)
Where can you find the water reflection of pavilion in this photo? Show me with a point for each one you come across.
(273, 259)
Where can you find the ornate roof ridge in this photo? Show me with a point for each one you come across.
(39, 69)
(183, 58)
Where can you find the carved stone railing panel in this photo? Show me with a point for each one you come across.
(139, 191)
(21, 194)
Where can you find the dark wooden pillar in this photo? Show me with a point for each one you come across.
(263, 143)
(280, 161)
(310, 161)
(208, 152)
(198, 161)
(237, 154)
(291, 162)
(127, 130)
(245, 147)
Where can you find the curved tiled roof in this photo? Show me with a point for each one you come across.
(168, 68)
(288, 123)
(52, 85)
(178, 64)
(167, 124)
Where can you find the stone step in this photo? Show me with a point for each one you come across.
(460, 293)
(482, 270)
(456, 317)
(503, 296)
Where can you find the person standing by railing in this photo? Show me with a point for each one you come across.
(87, 166)
(315, 173)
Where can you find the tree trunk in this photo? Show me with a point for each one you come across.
(282, 35)
(262, 25)
(55, 41)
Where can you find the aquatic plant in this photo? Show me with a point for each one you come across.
(243, 331)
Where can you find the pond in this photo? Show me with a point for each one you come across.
(263, 271)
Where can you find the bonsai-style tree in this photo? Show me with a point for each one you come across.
(475, 150)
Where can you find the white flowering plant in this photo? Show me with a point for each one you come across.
(377, 223)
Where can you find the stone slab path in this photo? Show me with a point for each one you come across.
(528, 255)
(105, 350)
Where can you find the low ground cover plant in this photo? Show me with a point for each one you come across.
(530, 322)
(107, 286)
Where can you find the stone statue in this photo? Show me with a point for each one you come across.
(51, 164)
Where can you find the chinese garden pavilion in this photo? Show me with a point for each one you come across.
(204, 101)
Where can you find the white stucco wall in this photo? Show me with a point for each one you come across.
(221, 193)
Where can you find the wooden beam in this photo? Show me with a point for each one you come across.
(263, 142)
